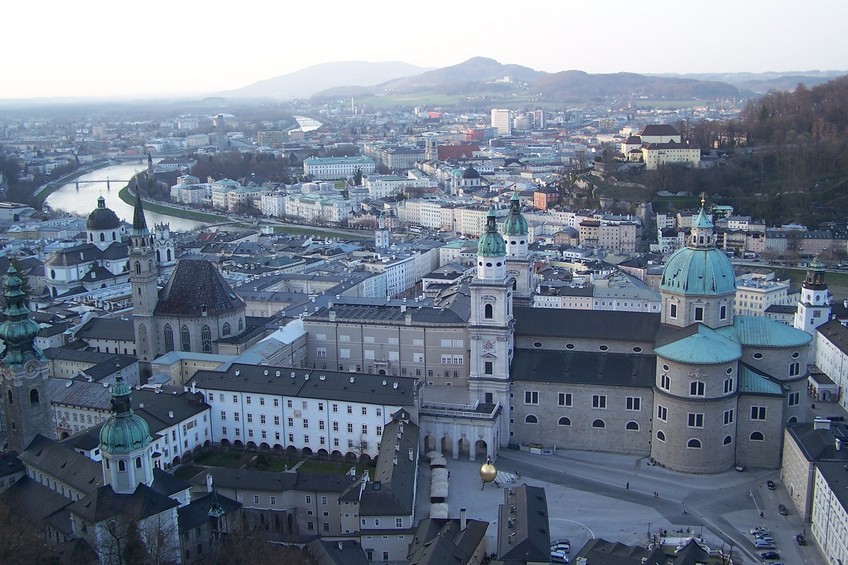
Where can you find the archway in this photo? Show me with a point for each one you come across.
(264, 446)
(481, 449)
(251, 446)
(350, 457)
(365, 459)
(225, 443)
(429, 443)
(322, 453)
(307, 451)
(447, 446)
(238, 444)
(464, 447)
(291, 451)
(64, 435)
(336, 455)
(278, 447)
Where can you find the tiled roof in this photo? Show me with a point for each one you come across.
(757, 331)
(197, 512)
(698, 344)
(194, 286)
(57, 460)
(586, 324)
(611, 369)
(392, 492)
(104, 503)
(752, 381)
(107, 328)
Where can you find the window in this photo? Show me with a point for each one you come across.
(599, 424)
(488, 312)
(169, 338)
(223, 415)
(364, 429)
(206, 339)
(662, 413)
(661, 435)
(722, 312)
(699, 313)
(665, 382)
(794, 398)
(276, 403)
(564, 421)
(122, 465)
(634, 403)
(758, 412)
(757, 436)
(696, 388)
(727, 440)
(489, 368)
(262, 418)
(728, 417)
(349, 428)
(599, 401)
(225, 329)
(672, 310)
(255, 499)
(249, 418)
(305, 423)
(236, 416)
(320, 424)
(696, 420)
(335, 426)
(531, 419)
(728, 386)
(633, 426)
(276, 420)
(185, 338)
(398, 522)
(273, 500)
(794, 369)
(531, 397)
(694, 444)
(564, 399)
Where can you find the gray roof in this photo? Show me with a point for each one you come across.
(524, 534)
(107, 328)
(223, 478)
(194, 286)
(837, 479)
(820, 445)
(342, 552)
(57, 460)
(602, 552)
(104, 503)
(392, 492)
(837, 334)
(36, 503)
(442, 542)
(587, 324)
(351, 387)
(580, 367)
(196, 513)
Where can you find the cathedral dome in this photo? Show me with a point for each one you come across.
(125, 431)
(515, 223)
(102, 218)
(491, 244)
(699, 268)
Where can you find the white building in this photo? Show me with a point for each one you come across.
(829, 520)
(502, 120)
(330, 168)
(755, 293)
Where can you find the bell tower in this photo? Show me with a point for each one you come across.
(814, 307)
(23, 372)
(143, 277)
(491, 326)
(125, 444)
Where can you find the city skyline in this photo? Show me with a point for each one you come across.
(179, 49)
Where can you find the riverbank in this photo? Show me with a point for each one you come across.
(44, 191)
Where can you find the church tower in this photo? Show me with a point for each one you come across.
(381, 234)
(125, 444)
(23, 372)
(491, 325)
(813, 308)
(143, 276)
(518, 264)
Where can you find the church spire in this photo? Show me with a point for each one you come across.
(18, 331)
(139, 226)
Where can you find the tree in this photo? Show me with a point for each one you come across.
(21, 542)
(357, 177)
(245, 547)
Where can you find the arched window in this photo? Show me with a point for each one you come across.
(52, 273)
(792, 420)
(137, 268)
(169, 338)
(631, 425)
(33, 397)
(694, 444)
(168, 254)
(531, 419)
(158, 256)
(226, 329)
(727, 440)
(122, 466)
(102, 237)
(113, 237)
(11, 400)
(564, 421)
(660, 435)
(599, 424)
(138, 462)
(757, 436)
(488, 312)
(241, 324)
(185, 338)
(206, 339)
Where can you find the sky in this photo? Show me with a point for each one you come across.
(95, 48)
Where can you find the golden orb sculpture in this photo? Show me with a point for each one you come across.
(488, 472)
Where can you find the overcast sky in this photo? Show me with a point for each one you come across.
(156, 47)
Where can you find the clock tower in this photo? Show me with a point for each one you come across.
(491, 325)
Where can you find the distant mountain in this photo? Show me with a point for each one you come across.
(578, 85)
(463, 78)
(760, 83)
(306, 82)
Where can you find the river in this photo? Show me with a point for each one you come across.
(81, 202)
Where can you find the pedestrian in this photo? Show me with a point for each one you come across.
(627, 486)
(761, 514)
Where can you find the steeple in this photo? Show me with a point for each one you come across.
(491, 251)
(139, 226)
(18, 331)
(702, 230)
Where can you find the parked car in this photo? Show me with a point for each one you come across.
(770, 485)
(760, 530)
(559, 556)
(782, 509)
(801, 539)
(765, 545)
(769, 555)
(561, 545)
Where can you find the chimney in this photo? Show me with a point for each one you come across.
(821, 423)
(838, 444)
(208, 482)
(170, 413)
(463, 521)
(341, 545)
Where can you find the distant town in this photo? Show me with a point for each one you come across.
(336, 333)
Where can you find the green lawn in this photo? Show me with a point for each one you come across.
(231, 459)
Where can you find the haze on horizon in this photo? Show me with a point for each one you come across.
(157, 48)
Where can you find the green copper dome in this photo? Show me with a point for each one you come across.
(18, 331)
(515, 223)
(491, 244)
(125, 431)
(699, 268)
